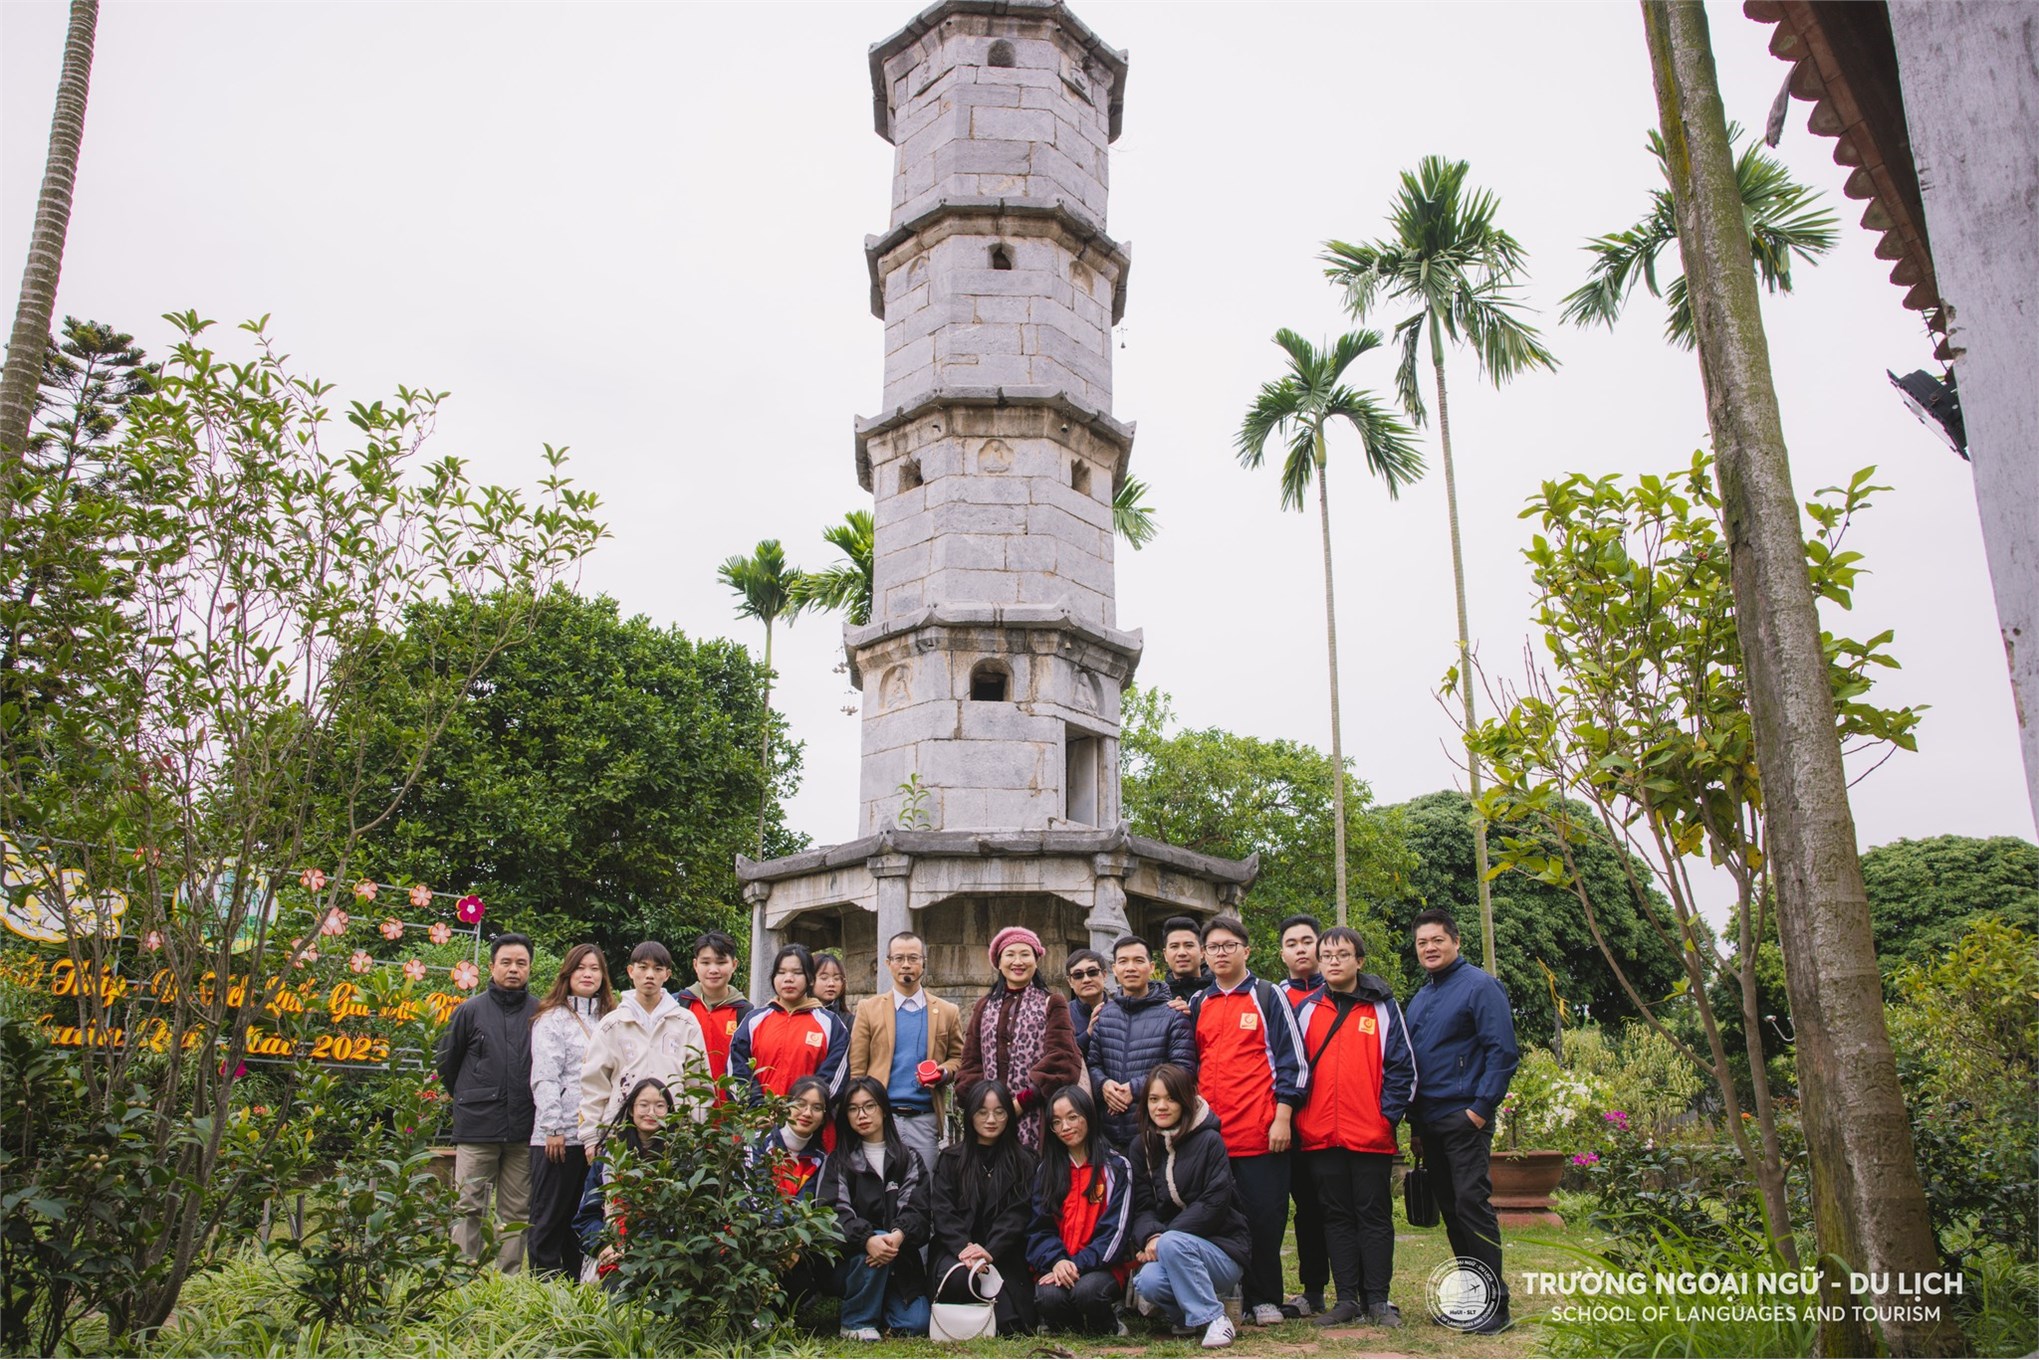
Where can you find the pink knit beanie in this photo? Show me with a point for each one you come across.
(1015, 935)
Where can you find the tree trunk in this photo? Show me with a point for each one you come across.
(765, 744)
(31, 332)
(1867, 1202)
(1465, 652)
(1331, 649)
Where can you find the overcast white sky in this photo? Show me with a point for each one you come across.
(637, 230)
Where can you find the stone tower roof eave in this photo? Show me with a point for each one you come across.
(995, 844)
(1100, 423)
(958, 213)
(930, 18)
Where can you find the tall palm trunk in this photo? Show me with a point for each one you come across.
(45, 248)
(1868, 1205)
(765, 744)
(1331, 649)
(1465, 650)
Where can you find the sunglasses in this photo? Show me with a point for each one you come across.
(1085, 974)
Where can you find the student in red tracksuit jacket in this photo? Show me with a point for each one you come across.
(1251, 1072)
(1362, 1077)
(719, 1008)
(792, 1036)
(1299, 956)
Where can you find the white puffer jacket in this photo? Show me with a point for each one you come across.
(559, 1044)
(630, 1045)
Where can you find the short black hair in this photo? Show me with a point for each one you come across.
(502, 942)
(651, 951)
(1187, 923)
(1077, 956)
(1127, 942)
(1231, 925)
(801, 955)
(1289, 923)
(899, 935)
(1435, 916)
(715, 942)
(1343, 935)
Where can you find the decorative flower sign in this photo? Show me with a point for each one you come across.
(421, 896)
(440, 932)
(464, 975)
(392, 929)
(366, 890)
(309, 957)
(152, 941)
(359, 961)
(313, 879)
(469, 909)
(335, 923)
(414, 969)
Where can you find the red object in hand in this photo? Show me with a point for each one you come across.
(930, 1073)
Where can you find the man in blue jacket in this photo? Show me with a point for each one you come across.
(1135, 1032)
(1464, 1040)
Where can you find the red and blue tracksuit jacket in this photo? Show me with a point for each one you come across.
(775, 1047)
(1249, 1059)
(1362, 1077)
(718, 1025)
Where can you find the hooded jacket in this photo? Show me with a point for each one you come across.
(1362, 1069)
(1186, 1186)
(718, 1024)
(1248, 1059)
(631, 1044)
(484, 1061)
(559, 1045)
(1131, 1037)
(776, 1045)
(1185, 988)
(867, 1204)
(796, 1173)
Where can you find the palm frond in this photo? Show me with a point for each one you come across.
(1132, 518)
(848, 585)
(1389, 445)
(1298, 468)
(763, 583)
(1277, 404)
(1348, 347)
(1408, 382)
(1505, 344)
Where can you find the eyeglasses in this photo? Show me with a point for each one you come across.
(995, 1113)
(1085, 974)
(906, 958)
(1066, 1121)
(1223, 947)
(813, 1107)
(1337, 956)
(866, 1108)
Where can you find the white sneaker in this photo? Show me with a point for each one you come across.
(1267, 1315)
(859, 1334)
(1219, 1334)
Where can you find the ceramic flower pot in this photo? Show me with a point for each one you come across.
(1523, 1181)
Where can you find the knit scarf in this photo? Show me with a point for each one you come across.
(1010, 1030)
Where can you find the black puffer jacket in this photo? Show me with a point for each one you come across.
(484, 1060)
(1185, 1185)
(1130, 1038)
(867, 1204)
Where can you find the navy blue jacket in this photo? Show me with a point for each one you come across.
(1132, 1037)
(1464, 1040)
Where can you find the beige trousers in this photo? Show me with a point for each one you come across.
(504, 1168)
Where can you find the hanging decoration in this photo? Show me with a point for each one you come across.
(470, 910)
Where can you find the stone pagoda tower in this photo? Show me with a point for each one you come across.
(993, 665)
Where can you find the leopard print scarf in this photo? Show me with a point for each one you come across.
(1011, 1027)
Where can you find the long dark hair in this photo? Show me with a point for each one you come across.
(995, 1174)
(846, 1136)
(562, 986)
(1055, 1164)
(626, 1129)
(1181, 1088)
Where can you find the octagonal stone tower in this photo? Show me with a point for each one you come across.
(993, 666)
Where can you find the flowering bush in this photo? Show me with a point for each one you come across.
(1549, 1106)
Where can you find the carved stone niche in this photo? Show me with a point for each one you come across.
(994, 456)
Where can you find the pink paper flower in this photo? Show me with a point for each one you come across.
(335, 923)
(440, 932)
(313, 879)
(421, 896)
(469, 909)
(464, 975)
(366, 890)
(152, 941)
(414, 969)
(359, 961)
(305, 960)
(392, 929)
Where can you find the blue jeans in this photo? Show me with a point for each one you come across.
(1187, 1278)
(868, 1302)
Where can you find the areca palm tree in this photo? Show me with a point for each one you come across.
(1132, 517)
(1310, 396)
(848, 584)
(764, 587)
(1783, 222)
(1445, 255)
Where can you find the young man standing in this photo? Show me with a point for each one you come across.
(1362, 1076)
(1463, 1035)
(1135, 1032)
(649, 1034)
(1182, 948)
(1250, 1071)
(896, 1034)
(1299, 956)
(718, 1007)
(1085, 970)
(484, 1061)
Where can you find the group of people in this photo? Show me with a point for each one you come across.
(1138, 1141)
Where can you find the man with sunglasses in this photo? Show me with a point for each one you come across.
(1085, 970)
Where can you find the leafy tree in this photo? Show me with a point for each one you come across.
(21, 379)
(1925, 895)
(1296, 409)
(1542, 924)
(597, 784)
(1783, 222)
(1221, 793)
(1446, 255)
(1132, 517)
(766, 591)
(847, 584)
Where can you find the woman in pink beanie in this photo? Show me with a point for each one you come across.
(1019, 1033)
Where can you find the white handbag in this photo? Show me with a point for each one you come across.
(966, 1321)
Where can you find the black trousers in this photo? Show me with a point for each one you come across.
(549, 1244)
(1457, 1153)
(1359, 1220)
(1311, 1262)
(1089, 1305)
(1263, 1184)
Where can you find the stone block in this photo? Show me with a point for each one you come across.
(1012, 309)
(896, 567)
(1030, 553)
(1093, 509)
(903, 599)
(1027, 283)
(967, 552)
(914, 354)
(989, 370)
(918, 722)
(976, 94)
(891, 511)
(1012, 124)
(1054, 522)
(965, 809)
(986, 587)
(1078, 182)
(971, 157)
(1087, 357)
(981, 765)
(997, 338)
(1022, 809)
(1083, 568)
(982, 720)
(981, 490)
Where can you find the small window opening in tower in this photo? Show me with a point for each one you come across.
(1001, 54)
(1001, 258)
(1079, 477)
(1080, 777)
(909, 474)
(989, 682)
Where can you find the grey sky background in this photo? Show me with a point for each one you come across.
(637, 230)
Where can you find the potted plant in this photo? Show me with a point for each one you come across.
(1549, 1114)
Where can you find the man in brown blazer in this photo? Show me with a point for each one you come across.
(934, 1034)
